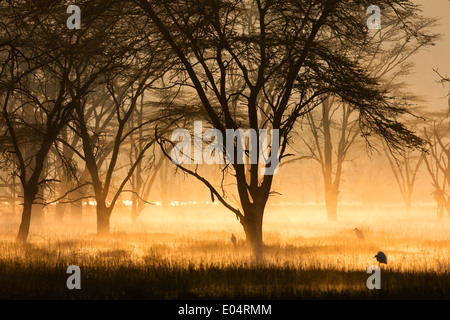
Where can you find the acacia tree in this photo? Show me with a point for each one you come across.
(43, 60)
(437, 159)
(321, 148)
(101, 151)
(28, 132)
(405, 165)
(143, 178)
(104, 137)
(334, 127)
(263, 64)
(142, 185)
(67, 173)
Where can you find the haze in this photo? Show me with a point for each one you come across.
(87, 180)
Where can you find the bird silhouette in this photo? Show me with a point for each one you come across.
(233, 239)
(381, 257)
(359, 234)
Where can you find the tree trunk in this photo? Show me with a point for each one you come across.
(63, 188)
(76, 207)
(165, 201)
(103, 217)
(140, 206)
(24, 228)
(327, 165)
(37, 211)
(331, 201)
(134, 207)
(252, 223)
(440, 210)
(441, 202)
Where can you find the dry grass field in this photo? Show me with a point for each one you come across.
(174, 255)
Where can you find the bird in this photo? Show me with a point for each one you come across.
(359, 234)
(381, 257)
(233, 239)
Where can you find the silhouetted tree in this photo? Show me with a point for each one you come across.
(142, 184)
(264, 64)
(101, 149)
(405, 164)
(334, 126)
(322, 149)
(43, 60)
(67, 173)
(143, 178)
(437, 159)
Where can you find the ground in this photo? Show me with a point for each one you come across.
(176, 255)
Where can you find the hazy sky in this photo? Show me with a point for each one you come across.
(424, 79)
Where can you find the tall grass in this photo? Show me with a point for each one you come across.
(175, 257)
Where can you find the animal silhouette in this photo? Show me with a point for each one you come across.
(233, 239)
(381, 257)
(359, 234)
